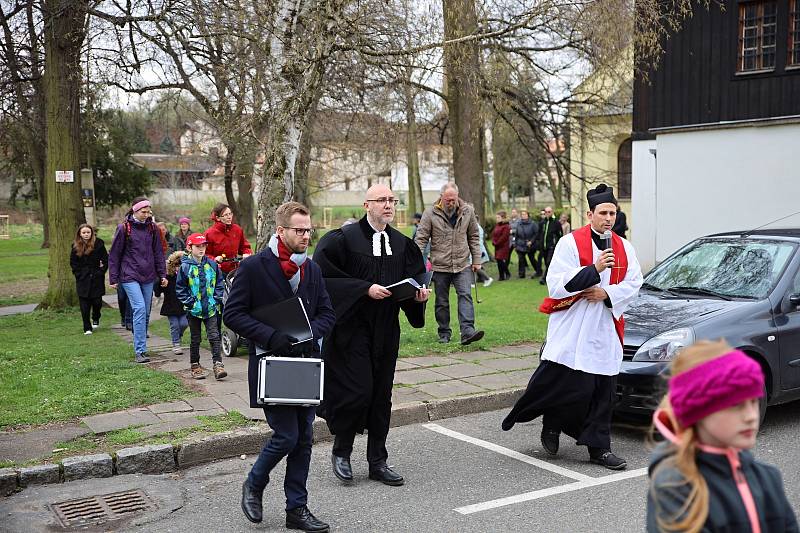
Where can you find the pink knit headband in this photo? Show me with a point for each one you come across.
(140, 205)
(715, 385)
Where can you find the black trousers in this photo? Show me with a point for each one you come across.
(292, 434)
(547, 255)
(523, 263)
(212, 332)
(502, 267)
(93, 305)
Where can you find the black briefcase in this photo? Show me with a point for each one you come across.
(290, 380)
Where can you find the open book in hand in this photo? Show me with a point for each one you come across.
(407, 288)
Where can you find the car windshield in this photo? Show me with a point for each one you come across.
(735, 268)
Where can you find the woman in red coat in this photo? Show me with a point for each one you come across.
(501, 238)
(225, 238)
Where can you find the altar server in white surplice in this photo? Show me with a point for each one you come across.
(590, 287)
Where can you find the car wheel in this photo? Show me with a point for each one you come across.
(230, 343)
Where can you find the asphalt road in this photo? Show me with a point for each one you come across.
(463, 474)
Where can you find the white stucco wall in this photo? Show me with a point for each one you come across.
(717, 180)
(643, 203)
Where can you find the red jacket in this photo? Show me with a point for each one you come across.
(501, 235)
(228, 241)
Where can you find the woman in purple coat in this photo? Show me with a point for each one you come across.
(136, 261)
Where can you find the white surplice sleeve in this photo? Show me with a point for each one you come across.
(622, 294)
(564, 266)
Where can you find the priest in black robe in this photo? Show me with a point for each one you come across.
(358, 261)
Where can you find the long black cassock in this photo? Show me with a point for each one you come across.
(361, 353)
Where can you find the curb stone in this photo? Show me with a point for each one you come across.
(222, 446)
(8, 481)
(152, 459)
(39, 475)
(162, 458)
(88, 466)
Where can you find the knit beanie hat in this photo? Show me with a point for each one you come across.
(715, 385)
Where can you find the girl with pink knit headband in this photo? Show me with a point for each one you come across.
(703, 477)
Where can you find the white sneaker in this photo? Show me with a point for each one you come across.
(95, 325)
(488, 282)
(176, 349)
(87, 332)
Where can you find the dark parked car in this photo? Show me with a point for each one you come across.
(743, 287)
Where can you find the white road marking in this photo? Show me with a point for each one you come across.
(582, 481)
(543, 493)
(510, 453)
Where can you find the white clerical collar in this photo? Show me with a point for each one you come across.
(376, 241)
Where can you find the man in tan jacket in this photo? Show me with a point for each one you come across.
(452, 229)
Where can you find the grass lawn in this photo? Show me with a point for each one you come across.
(508, 313)
(51, 372)
(23, 264)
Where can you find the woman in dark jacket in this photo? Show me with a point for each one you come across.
(89, 262)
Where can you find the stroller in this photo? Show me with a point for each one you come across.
(230, 340)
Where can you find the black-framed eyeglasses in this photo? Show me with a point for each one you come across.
(392, 201)
(302, 231)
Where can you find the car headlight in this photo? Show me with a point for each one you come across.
(663, 347)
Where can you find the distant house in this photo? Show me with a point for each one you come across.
(174, 171)
(600, 137)
(716, 127)
(349, 153)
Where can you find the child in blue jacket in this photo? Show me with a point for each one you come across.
(199, 288)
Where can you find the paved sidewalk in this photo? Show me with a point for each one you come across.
(30, 308)
(417, 379)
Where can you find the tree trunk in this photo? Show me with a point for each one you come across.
(462, 68)
(244, 181)
(230, 170)
(64, 33)
(301, 185)
(305, 32)
(415, 201)
(277, 184)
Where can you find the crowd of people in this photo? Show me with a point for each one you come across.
(702, 477)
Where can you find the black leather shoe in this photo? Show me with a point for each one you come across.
(476, 336)
(302, 519)
(386, 475)
(609, 460)
(550, 441)
(251, 503)
(342, 468)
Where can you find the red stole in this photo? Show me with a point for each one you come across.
(583, 239)
(288, 266)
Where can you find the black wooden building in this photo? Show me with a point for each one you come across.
(734, 61)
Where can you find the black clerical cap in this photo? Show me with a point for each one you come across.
(600, 195)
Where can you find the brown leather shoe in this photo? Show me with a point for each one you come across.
(219, 370)
(198, 372)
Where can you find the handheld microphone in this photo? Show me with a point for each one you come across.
(606, 240)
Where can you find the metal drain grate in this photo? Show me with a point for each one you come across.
(101, 508)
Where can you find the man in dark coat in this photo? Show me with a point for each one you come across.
(279, 272)
(549, 233)
(358, 262)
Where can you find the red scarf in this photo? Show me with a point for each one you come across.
(583, 239)
(288, 266)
